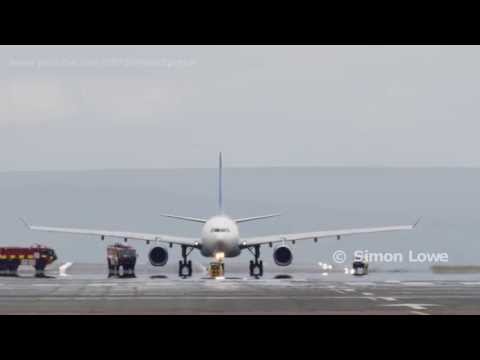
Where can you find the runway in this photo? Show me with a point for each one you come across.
(301, 294)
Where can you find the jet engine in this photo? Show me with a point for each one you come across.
(282, 255)
(158, 256)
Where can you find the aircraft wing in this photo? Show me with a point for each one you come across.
(320, 234)
(119, 234)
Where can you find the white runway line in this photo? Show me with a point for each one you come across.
(105, 284)
(392, 281)
(418, 283)
(365, 283)
(412, 306)
(372, 296)
(181, 298)
(418, 313)
(470, 283)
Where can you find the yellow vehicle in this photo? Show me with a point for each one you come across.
(216, 269)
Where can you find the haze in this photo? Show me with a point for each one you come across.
(104, 107)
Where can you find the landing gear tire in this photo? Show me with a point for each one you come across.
(256, 270)
(40, 268)
(256, 266)
(129, 271)
(113, 270)
(185, 266)
(189, 267)
(185, 269)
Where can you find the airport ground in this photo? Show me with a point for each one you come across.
(155, 292)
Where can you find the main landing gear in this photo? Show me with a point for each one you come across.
(256, 266)
(184, 266)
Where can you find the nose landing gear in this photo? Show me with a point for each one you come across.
(256, 266)
(185, 267)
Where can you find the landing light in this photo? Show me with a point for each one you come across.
(219, 256)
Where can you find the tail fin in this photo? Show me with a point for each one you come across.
(220, 184)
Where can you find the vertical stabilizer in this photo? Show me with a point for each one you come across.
(220, 184)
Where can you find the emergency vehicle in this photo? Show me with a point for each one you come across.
(37, 255)
(360, 266)
(121, 256)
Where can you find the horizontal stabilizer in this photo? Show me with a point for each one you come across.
(256, 218)
(186, 218)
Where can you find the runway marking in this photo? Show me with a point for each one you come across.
(419, 313)
(176, 298)
(349, 290)
(392, 281)
(106, 284)
(365, 283)
(45, 285)
(413, 306)
(371, 296)
(417, 283)
(470, 283)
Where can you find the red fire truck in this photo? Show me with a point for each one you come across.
(124, 256)
(38, 256)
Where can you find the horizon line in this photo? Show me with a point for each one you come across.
(248, 167)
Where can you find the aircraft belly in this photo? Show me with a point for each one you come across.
(211, 247)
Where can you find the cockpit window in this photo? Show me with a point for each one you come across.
(220, 230)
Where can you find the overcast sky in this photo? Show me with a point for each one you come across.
(101, 107)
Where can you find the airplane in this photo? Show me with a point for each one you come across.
(220, 238)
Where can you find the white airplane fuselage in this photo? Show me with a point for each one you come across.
(220, 235)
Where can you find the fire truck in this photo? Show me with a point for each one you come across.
(37, 255)
(121, 256)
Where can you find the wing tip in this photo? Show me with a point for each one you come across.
(24, 222)
(416, 222)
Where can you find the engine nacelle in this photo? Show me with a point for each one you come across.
(282, 255)
(158, 256)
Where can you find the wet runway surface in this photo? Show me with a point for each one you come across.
(300, 294)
